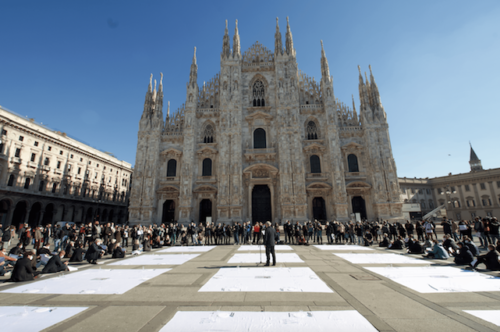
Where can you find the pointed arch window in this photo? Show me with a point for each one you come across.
(171, 168)
(258, 94)
(315, 164)
(352, 161)
(207, 167)
(312, 130)
(208, 134)
(259, 138)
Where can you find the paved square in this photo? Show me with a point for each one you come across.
(237, 321)
(187, 249)
(156, 260)
(295, 279)
(491, 316)
(263, 248)
(257, 258)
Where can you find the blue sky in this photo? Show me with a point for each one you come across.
(82, 67)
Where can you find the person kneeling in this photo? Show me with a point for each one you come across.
(94, 252)
(55, 264)
(385, 242)
(77, 254)
(438, 252)
(118, 252)
(490, 259)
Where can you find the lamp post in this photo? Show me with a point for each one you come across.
(448, 201)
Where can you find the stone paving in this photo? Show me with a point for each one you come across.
(387, 305)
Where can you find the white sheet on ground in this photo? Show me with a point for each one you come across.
(236, 321)
(380, 259)
(491, 316)
(295, 279)
(92, 281)
(27, 319)
(187, 249)
(439, 279)
(343, 247)
(256, 257)
(263, 248)
(156, 260)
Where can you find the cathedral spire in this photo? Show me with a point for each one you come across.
(168, 109)
(226, 48)
(325, 69)
(278, 46)
(361, 88)
(474, 162)
(236, 42)
(193, 75)
(374, 89)
(289, 40)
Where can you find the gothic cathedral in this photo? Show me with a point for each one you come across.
(262, 141)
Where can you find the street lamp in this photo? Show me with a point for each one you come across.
(448, 193)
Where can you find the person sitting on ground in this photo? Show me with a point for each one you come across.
(146, 245)
(23, 270)
(368, 239)
(428, 243)
(437, 252)
(472, 246)
(167, 240)
(498, 245)
(397, 244)
(94, 252)
(118, 252)
(5, 261)
(111, 247)
(17, 250)
(45, 250)
(463, 256)
(415, 247)
(184, 240)
(385, 242)
(69, 249)
(55, 264)
(490, 259)
(78, 254)
(302, 240)
(157, 242)
(449, 244)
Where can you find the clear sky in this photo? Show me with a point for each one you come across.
(82, 67)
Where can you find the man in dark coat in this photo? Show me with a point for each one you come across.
(94, 252)
(118, 252)
(77, 254)
(269, 242)
(23, 270)
(490, 259)
(55, 264)
(463, 256)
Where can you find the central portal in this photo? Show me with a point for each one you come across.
(261, 204)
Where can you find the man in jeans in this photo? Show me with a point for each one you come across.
(57, 239)
(494, 230)
(479, 228)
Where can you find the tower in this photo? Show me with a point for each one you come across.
(474, 162)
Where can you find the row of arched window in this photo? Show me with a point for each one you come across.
(206, 167)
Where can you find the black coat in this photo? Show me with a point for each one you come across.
(93, 253)
(44, 251)
(464, 257)
(118, 253)
(16, 251)
(77, 255)
(54, 265)
(492, 262)
(22, 270)
(269, 237)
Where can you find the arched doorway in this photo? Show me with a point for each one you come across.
(34, 217)
(319, 209)
(358, 206)
(119, 221)
(111, 215)
(19, 214)
(104, 216)
(168, 212)
(205, 210)
(261, 204)
(4, 212)
(48, 215)
(88, 216)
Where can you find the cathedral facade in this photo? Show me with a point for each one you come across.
(263, 141)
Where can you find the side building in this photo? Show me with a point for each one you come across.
(46, 177)
(462, 196)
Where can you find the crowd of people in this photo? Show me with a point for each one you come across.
(92, 241)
